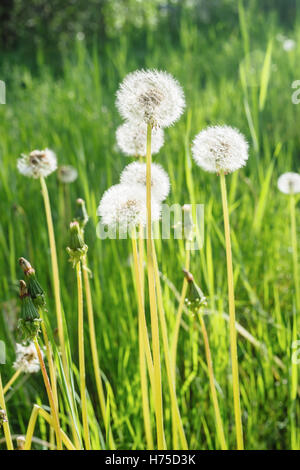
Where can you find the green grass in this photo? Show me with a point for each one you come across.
(72, 111)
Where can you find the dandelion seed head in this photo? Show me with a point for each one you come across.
(152, 97)
(135, 174)
(289, 183)
(132, 139)
(122, 206)
(67, 174)
(39, 163)
(27, 359)
(220, 148)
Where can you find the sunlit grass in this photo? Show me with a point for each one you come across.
(73, 112)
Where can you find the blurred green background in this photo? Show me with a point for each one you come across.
(62, 64)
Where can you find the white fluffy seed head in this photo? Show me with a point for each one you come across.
(132, 139)
(124, 206)
(152, 97)
(26, 359)
(67, 174)
(39, 163)
(135, 174)
(220, 148)
(289, 183)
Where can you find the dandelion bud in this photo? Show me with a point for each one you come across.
(67, 174)
(27, 359)
(38, 164)
(29, 323)
(34, 288)
(3, 417)
(124, 206)
(289, 183)
(195, 297)
(132, 139)
(77, 248)
(135, 174)
(81, 214)
(220, 148)
(150, 97)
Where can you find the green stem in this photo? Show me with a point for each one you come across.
(214, 396)
(153, 306)
(96, 365)
(232, 325)
(86, 433)
(6, 428)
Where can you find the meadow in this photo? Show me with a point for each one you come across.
(240, 76)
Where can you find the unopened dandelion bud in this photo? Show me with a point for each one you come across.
(195, 297)
(3, 417)
(34, 288)
(29, 323)
(81, 214)
(77, 248)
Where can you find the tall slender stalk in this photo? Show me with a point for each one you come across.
(214, 396)
(294, 367)
(143, 372)
(93, 342)
(6, 428)
(86, 432)
(176, 418)
(295, 251)
(153, 306)
(55, 273)
(179, 312)
(53, 408)
(232, 325)
(11, 381)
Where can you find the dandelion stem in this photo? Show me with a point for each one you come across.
(174, 344)
(81, 359)
(50, 361)
(295, 250)
(54, 410)
(8, 439)
(214, 396)
(11, 381)
(294, 367)
(232, 325)
(176, 418)
(93, 342)
(55, 272)
(179, 312)
(153, 306)
(142, 335)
